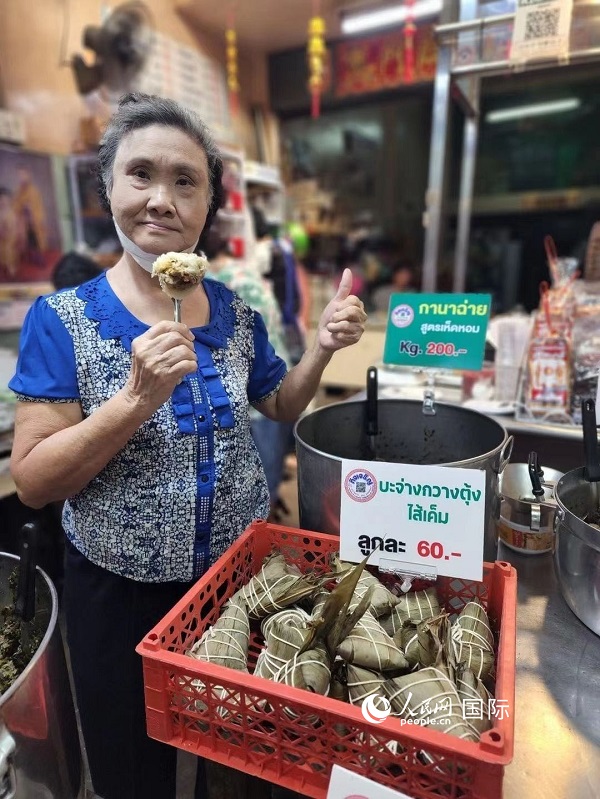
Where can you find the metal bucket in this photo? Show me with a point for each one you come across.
(577, 550)
(526, 522)
(40, 754)
(453, 436)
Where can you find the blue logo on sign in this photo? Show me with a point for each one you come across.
(402, 315)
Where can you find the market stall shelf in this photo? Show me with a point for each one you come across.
(291, 737)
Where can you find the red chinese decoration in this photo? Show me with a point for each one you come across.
(316, 52)
(409, 43)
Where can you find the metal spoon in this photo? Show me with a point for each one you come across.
(177, 309)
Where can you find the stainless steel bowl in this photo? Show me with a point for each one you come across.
(577, 550)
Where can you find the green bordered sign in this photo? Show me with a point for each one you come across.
(439, 331)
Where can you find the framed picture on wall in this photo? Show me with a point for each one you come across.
(30, 239)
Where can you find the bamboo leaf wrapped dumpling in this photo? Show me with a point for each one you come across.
(475, 698)
(363, 683)
(310, 670)
(369, 646)
(276, 586)
(416, 606)
(473, 626)
(480, 661)
(382, 600)
(226, 642)
(424, 641)
(285, 634)
(429, 696)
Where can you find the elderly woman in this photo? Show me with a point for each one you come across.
(142, 425)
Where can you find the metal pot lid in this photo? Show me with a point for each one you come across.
(515, 485)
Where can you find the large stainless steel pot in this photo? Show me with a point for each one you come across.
(40, 755)
(526, 519)
(577, 550)
(452, 436)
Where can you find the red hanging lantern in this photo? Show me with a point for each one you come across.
(316, 51)
(233, 85)
(409, 43)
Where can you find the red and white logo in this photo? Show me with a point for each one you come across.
(360, 485)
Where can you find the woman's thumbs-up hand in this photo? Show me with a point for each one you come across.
(343, 321)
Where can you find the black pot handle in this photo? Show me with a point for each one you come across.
(25, 599)
(372, 420)
(535, 474)
(590, 440)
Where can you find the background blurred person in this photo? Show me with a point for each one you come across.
(73, 269)
(401, 282)
(271, 438)
(274, 259)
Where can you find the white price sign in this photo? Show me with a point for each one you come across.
(345, 784)
(429, 519)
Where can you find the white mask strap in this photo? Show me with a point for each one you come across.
(143, 258)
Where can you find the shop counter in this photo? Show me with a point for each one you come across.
(557, 713)
(558, 446)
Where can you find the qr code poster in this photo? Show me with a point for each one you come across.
(542, 30)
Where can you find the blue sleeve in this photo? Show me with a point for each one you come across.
(46, 367)
(268, 369)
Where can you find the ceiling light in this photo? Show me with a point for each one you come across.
(392, 15)
(535, 110)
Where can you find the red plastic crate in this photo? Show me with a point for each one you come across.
(245, 722)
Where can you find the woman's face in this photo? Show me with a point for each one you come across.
(160, 189)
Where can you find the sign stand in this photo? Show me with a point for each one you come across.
(408, 572)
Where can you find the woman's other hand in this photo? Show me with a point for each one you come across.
(343, 321)
(161, 357)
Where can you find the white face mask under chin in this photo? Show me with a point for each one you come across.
(143, 258)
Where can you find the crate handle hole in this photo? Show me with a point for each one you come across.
(152, 641)
(492, 740)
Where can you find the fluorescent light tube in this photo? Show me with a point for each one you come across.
(392, 15)
(535, 110)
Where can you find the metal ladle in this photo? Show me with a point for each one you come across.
(590, 445)
(372, 423)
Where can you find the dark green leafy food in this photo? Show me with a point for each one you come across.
(14, 654)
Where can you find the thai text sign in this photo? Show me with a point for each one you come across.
(346, 784)
(418, 516)
(443, 331)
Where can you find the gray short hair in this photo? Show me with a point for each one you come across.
(137, 111)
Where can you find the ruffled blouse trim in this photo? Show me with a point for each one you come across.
(115, 321)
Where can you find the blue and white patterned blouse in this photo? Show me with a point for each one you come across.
(190, 480)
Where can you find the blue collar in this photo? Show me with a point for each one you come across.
(115, 321)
